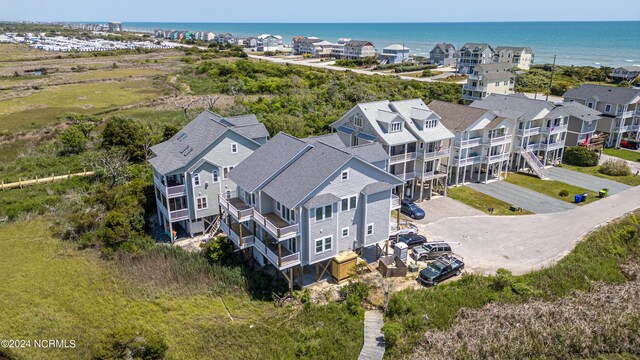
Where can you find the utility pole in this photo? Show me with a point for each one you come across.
(553, 69)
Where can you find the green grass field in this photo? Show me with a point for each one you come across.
(51, 290)
(482, 202)
(631, 180)
(42, 108)
(550, 187)
(624, 154)
(102, 74)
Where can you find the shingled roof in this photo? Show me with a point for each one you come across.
(607, 94)
(456, 117)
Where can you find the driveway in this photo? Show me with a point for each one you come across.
(586, 181)
(445, 207)
(528, 242)
(527, 199)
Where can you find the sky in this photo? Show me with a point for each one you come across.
(296, 11)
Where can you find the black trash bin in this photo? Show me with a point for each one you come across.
(584, 197)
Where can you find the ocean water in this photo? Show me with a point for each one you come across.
(574, 43)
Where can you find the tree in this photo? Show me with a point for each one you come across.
(85, 122)
(73, 140)
(169, 131)
(125, 133)
(112, 164)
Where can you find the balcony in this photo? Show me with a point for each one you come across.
(554, 129)
(411, 155)
(476, 88)
(394, 159)
(277, 227)
(625, 114)
(529, 132)
(236, 207)
(491, 159)
(428, 175)
(468, 143)
(233, 231)
(467, 161)
(498, 140)
(278, 255)
(471, 97)
(180, 214)
(545, 146)
(625, 128)
(434, 154)
(395, 201)
(176, 191)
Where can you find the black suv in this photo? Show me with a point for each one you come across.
(412, 240)
(441, 269)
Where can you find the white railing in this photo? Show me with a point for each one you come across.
(496, 158)
(529, 132)
(260, 246)
(468, 160)
(630, 127)
(498, 140)
(395, 201)
(177, 190)
(471, 97)
(411, 155)
(179, 214)
(624, 114)
(397, 158)
(247, 240)
(468, 143)
(277, 232)
(555, 129)
(434, 154)
(293, 258)
(534, 162)
(237, 213)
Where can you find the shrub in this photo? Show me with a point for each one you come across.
(615, 168)
(128, 343)
(218, 249)
(73, 140)
(427, 73)
(125, 133)
(392, 333)
(580, 156)
(357, 288)
(353, 304)
(564, 193)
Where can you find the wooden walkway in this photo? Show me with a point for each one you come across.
(373, 347)
(22, 183)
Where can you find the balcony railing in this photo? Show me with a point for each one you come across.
(496, 158)
(397, 158)
(276, 226)
(233, 232)
(411, 155)
(555, 129)
(177, 215)
(468, 160)
(529, 132)
(434, 154)
(498, 140)
(624, 114)
(175, 191)
(630, 127)
(471, 97)
(270, 251)
(395, 201)
(236, 207)
(468, 143)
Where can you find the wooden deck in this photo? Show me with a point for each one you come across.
(373, 347)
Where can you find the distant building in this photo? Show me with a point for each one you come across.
(443, 54)
(627, 73)
(314, 46)
(472, 54)
(358, 49)
(115, 26)
(520, 57)
(337, 50)
(268, 42)
(225, 38)
(488, 79)
(296, 44)
(395, 54)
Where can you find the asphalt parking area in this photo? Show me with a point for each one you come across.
(521, 197)
(586, 181)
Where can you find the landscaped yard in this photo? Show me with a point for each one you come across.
(631, 180)
(482, 201)
(624, 154)
(51, 290)
(550, 187)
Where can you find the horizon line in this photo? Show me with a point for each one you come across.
(327, 23)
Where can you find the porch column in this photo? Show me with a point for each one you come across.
(240, 232)
(279, 253)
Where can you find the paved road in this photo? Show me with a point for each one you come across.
(525, 243)
(443, 207)
(522, 197)
(586, 181)
(373, 347)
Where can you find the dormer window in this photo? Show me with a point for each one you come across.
(344, 175)
(357, 121)
(234, 148)
(607, 108)
(395, 127)
(430, 123)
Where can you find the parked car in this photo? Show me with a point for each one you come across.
(404, 229)
(441, 269)
(412, 240)
(431, 251)
(629, 144)
(410, 209)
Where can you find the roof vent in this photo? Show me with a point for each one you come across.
(185, 149)
(182, 136)
(189, 150)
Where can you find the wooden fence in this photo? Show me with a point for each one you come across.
(28, 182)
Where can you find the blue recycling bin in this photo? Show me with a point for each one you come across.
(577, 198)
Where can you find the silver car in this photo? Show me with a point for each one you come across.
(431, 251)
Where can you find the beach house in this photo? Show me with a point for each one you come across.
(314, 47)
(583, 122)
(620, 108)
(395, 54)
(443, 54)
(628, 73)
(483, 142)
(191, 169)
(299, 203)
(472, 54)
(358, 49)
(541, 129)
(488, 79)
(268, 42)
(413, 136)
(520, 57)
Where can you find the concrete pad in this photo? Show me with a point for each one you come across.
(443, 207)
(522, 197)
(528, 242)
(586, 181)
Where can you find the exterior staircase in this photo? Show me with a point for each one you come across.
(212, 228)
(534, 163)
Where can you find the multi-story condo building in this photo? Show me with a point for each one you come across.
(520, 57)
(268, 42)
(337, 50)
(358, 49)
(482, 144)
(413, 136)
(395, 54)
(582, 125)
(302, 202)
(443, 54)
(620, 108)
(191, 169)
(488, 79)
(306, 46)
(628, 73)
(541, 129)
(472, 54)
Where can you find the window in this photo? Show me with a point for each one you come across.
(349, 203)
(357, 121)
(497, 83)
(278, 206)
(252, 199)
(323, 245)
(395, 127)
(201, 203)
(345, 232)
(214, 176)
(506, 82)
(590, 104)
(345, 175)
(431, 123)
(607, 108)
(370, 229)
(324, 212)
(196, 179)
(225, 171)
(234, 148)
